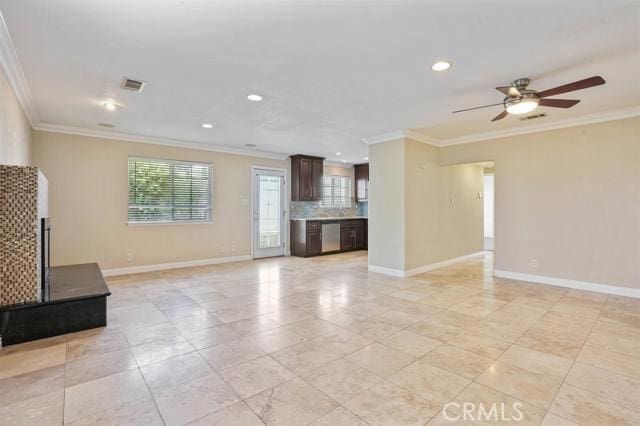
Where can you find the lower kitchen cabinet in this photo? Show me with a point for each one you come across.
(314, 240)
(366, 234)
(306, 236)
(352, 235)
(346, 239)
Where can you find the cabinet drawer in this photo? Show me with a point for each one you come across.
(354, 223)
(314, 226)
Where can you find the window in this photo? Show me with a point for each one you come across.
(163, 191)
(336, 191)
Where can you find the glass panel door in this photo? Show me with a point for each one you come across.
(268, 215)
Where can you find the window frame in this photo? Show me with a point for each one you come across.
(173, 222)
(349, 193)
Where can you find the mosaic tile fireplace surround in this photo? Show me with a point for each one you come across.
(23, 202)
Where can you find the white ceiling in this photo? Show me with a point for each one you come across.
(331, 73)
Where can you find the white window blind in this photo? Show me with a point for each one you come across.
(336, 191)
(169, 191)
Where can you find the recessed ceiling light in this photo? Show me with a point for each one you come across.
(344, 161)
(441, 66)
(338, 153)
(110, 106)
(366, 158)
(207, 125)
(250, 145)
(253, 97)
(109, 125)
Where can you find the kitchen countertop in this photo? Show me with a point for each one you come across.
(331, 218)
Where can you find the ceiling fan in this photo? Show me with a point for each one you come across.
(520, 100)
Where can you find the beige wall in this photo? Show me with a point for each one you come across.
(444, 215)
(387, 205)
(412, 221)
(569, 198)
(88, 204)
(15, 130)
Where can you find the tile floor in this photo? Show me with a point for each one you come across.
(322, 341)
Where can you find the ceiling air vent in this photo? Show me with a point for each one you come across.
(532, 117)
(132, 85)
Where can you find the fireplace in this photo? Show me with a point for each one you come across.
(45, 257)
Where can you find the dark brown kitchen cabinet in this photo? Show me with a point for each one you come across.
(306, 236)
(314, 238)
(351, 235)
(366, 234)
(362, 182)
(346, 239)
(306, 178)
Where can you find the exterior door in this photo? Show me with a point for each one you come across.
(268, 213)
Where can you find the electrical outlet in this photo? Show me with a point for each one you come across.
(233, 248)
(534, 263)
(129, 257)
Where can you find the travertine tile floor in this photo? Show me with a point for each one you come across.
(322, 341)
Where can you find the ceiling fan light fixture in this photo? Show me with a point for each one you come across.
(522, 107)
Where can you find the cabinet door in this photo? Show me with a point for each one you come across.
(316, 179)
(346, 239)
(306, 179)
(362, 182)
(358, 238)
(366, 234)
(314, 243)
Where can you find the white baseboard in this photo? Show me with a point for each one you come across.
(488, 243)
(386, 271)
(438, 265)
(563, 282)
(172, 265)
(421, 269)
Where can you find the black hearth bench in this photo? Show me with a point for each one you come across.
(75, 299)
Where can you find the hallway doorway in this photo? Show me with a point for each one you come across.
(489, 209)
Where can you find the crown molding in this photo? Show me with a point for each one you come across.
(599, 117)
(400, 134)
(15, 75)
(418, 137)
(103, 134)
(384, 137)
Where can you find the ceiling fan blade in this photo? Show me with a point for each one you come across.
(558, 103)
(500, 116)
(576, 85)
(471, 109)
(503, 89)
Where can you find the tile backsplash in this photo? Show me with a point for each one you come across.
(305, 209)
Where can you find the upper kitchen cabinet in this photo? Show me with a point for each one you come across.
(306, 178)
(362, 182)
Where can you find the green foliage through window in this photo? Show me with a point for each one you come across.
(168, 191)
